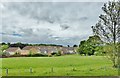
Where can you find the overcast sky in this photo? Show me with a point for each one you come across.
(65, 23)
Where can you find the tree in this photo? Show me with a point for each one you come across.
(108, 28)
(75, 45)
(8, 44)
(68, 45)
(18, 44)
(81, 50)
(4, 47)
(94, 43)
(59, 53)
(3, 43)
(90, 46)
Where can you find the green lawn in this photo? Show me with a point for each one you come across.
(69, 65)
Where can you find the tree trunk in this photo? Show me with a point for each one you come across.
(114, 44)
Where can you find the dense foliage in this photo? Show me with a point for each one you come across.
(91, 46)
(2, 48)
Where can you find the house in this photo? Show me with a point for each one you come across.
(30, 50)
(75, 49)
(43, 49)
(12, 50)
(68, 50)
(64, 50)
(71, 50)
(59, 48)
(48, 50)
(52, 49)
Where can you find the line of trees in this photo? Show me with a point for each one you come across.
(21, 45)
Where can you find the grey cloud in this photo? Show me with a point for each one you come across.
(53, 12)
(64, 26)
(27, 32)
(83, 18)
(47, 22)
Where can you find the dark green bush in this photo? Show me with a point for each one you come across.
(37, 55)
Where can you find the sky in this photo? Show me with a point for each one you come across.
(62, 23)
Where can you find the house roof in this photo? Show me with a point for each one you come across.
(29, 47)
(24, 52)
(44, 50)
(68, 48)
(12, 49)
(48, 48)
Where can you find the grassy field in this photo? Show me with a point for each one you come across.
(70, 65)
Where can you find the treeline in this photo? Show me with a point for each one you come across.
(21, 45)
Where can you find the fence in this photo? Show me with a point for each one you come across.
(30, 70)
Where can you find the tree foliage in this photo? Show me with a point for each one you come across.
(108, 28)
(22, 45)
(90, 46)
(4, 47)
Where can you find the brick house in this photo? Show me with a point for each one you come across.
(30, 49)
(49, 49)
(68, 50)
(12, 50)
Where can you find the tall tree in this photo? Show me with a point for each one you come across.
(108, 28)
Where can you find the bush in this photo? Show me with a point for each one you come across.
(4, 47)
(82, 54)
(59, 53)
(17, 54)
(98, 53)
(30, 53)
(37, 55)
(49, 55)
(5, 54)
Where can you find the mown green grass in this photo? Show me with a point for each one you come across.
(71, 65)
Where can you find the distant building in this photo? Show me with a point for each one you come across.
(47, 50)
(68, 50)
(54, 49)
(29, 49)
(12, 50)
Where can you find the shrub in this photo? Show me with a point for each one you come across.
(17, 54)
(30, 53)
(37, 55)
(5, 54)
(99, 53)
(82, 54)
(59, 53)
(49, 55)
